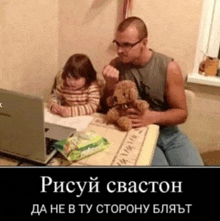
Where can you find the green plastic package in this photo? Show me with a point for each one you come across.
(81, 145)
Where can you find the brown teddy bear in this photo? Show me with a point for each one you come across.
(125, 96)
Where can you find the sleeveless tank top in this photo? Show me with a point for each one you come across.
(150, 79)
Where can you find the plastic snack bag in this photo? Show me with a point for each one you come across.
(81, 145)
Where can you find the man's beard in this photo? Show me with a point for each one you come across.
(134, 61)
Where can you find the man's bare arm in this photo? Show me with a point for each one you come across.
(176, 99)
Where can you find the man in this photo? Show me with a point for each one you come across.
(159, 81)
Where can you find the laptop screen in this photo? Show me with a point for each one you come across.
(22, 125)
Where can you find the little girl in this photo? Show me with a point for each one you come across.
(79, 92)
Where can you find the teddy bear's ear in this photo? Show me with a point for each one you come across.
(133, 94)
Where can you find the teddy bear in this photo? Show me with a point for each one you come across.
(125, 96)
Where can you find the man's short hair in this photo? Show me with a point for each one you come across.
(137, 22)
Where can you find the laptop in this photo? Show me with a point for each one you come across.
(23, 132)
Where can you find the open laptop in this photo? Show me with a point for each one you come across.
(23, 132)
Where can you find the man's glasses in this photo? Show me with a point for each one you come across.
(126, 46)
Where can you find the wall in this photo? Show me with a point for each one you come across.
(173, 28)
(37, 37)
(89, 27)
(1, 39)
(29, 42)
(203, 126)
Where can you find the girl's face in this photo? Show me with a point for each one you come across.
(75, 84)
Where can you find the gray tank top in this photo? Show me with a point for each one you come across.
(150, 79)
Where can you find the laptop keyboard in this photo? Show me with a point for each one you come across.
(49, 145)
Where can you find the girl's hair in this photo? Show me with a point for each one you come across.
(79, 65)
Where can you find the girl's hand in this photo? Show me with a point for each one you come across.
(61, 110)
(56, 109)
(65, 111)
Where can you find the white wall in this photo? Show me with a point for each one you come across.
(88, 27)
(38, 36)
(203, 127)
(173, 28)
(29, 42)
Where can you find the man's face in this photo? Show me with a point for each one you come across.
(129, 46)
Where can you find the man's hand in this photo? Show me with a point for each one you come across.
(61, 110)
(111, 76)
(176, 99)
(140, 120)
